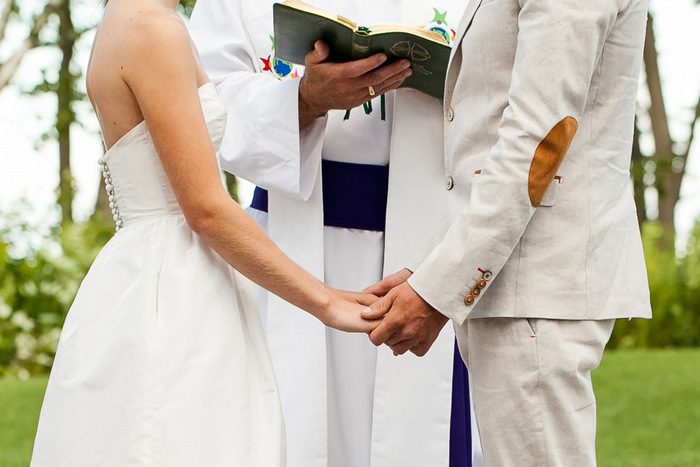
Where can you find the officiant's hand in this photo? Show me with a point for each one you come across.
(327, 85)
(409, 322)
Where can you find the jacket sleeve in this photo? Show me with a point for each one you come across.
(559, 44)
(262, 143)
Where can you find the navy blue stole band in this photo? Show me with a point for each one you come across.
(354, 195)
(260, 201)
(460, 421)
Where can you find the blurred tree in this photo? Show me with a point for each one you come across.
(37, 23)
(66, 93)
(64, 86)
(665, 168)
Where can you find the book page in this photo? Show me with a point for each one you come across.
(383, 28)
(299, 5)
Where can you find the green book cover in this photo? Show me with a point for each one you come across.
(298, 26)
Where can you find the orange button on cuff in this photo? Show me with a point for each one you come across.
(469, 300)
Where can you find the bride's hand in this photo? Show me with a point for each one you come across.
(357, 297)
(346, 315)
(344, 311)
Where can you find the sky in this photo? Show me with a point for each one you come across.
(29, 168)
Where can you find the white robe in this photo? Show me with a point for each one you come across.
(345, 402)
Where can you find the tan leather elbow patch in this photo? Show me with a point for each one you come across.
(548, 157)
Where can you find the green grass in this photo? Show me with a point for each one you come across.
(648, 410)
(20, 402)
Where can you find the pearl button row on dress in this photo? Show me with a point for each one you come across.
(110, 193)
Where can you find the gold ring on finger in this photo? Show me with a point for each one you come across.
(371, 90)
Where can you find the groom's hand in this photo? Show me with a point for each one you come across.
(409, 322)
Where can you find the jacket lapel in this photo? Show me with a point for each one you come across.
(464, 24)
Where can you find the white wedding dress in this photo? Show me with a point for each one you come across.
(162, 359)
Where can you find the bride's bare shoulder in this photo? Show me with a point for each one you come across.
(154, 31)
(153, 43)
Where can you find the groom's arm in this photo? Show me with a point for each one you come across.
(550, 82)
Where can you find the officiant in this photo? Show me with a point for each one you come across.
(337, 190)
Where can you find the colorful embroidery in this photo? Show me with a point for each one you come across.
(279, 68)
(439, 25)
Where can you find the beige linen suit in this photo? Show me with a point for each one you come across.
(539, 111)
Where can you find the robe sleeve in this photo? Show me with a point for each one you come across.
(559, 45)
(263, 143)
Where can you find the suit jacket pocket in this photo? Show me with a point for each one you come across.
(551, 195)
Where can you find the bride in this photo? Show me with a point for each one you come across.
(162, 359)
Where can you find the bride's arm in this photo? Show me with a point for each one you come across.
(162, 74)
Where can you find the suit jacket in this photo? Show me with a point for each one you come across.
(539, 112)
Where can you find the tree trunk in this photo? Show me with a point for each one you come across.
(637, 170)
(670, 168)
(65, 115)
(5, 17)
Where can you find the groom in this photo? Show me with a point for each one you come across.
(543, 251)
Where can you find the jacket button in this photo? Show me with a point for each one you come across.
(449, 183)
(481, 283)
(487, 275)
(475, 292)
(450, 114)
(469, 300)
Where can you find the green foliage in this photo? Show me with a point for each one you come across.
(37, 287)
(675, 296)
(36, 290)
(186, 6)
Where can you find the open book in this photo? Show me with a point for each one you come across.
(298, 26)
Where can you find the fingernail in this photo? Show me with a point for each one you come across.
(367, 310)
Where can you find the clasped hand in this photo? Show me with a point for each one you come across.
(407, 321)
(392, 313)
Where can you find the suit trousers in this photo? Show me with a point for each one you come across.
(532, 389)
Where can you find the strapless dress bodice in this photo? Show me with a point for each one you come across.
(135, 180)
